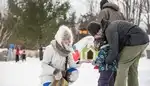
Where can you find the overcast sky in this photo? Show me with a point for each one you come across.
(79, 6)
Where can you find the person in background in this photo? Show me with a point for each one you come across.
(10, 55)
(23, 55)
(17, 53)
(41, 53)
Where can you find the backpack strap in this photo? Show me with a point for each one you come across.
(65, 74)
(66, 63)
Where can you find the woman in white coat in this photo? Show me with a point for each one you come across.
(55, 56)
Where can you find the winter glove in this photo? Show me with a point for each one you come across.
(56, 71)
(57, 74)
(96, 44)
(73, 74)
(93, 62)
(47, 84)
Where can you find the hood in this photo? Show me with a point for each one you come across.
(111, 5)
(93, 28)
(63, 33)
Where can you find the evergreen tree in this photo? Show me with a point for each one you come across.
(38, 20)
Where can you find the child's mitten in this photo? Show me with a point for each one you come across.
(57, 74)
(72, 74)
(47, 84)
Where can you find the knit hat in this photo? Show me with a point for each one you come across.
(102, 3)
(93, 28)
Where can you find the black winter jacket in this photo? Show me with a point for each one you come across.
(122, 33)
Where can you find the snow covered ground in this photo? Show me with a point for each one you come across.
(27, 73)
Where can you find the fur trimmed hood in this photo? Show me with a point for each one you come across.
(111, 5)
(63, 33)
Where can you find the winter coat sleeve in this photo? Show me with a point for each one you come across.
(123, 17)
(71, 62)
(103, 15)
(46, 63)
(112, 38)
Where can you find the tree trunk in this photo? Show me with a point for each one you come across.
(148, 12)
(148, 30)
(140, 12)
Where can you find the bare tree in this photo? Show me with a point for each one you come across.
(94, 7)
(132, 9)
(146, 11)
(4, 35)
(93, 10)
(7, 26)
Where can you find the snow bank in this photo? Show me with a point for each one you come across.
(27, 73)
(144, 72)
(3, 49)
(21, 73)
(29, 53)
(88, 76)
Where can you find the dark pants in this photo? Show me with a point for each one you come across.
(41, 55)
(23, 57)
(107, 78)
(17, 58)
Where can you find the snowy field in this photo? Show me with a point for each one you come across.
(27, 73)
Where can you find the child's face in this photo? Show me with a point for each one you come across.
(98, 35)
(66, 42)
(98, 40)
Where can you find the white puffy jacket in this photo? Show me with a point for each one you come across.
(58, 61)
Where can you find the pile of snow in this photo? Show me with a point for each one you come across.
(27, 73)
(4, 49)
(21, 73)
(144, 72)
(88, 76)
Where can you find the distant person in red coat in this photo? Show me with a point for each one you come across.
(17, 53)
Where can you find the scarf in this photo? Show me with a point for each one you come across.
(58, 48)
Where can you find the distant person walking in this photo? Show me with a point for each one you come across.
(23, 55)
(41, 53)
(10, 55)
(17, 53)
